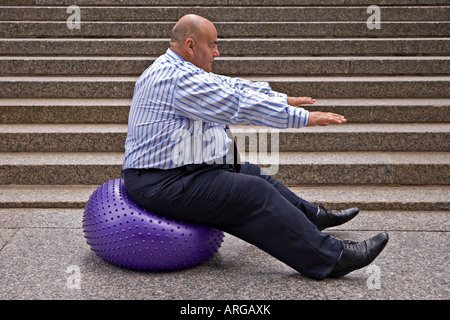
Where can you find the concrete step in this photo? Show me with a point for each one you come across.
(348, 137)
(361, 87)
(405, 168)
(236, 66)
(366, 197)
(67, 87)
(62, 137)
(59, 168)
(44, 29)
(229, 47)
(84, 111)
(45, 196)
(226, 13)
(406, 110)
(370, 197)
(319, 87)
(233, 66)
(309, 168)
(224, 3)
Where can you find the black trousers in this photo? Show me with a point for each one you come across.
(249, 205)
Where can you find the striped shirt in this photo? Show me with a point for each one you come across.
(179, 113)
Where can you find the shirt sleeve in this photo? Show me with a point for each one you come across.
(234, 101)
(262, 87)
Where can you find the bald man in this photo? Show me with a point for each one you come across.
(177, 158)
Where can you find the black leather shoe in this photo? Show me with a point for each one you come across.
(330, 218)
(356, 255)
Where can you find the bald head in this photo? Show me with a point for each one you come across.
(189, 26)
(194, 38)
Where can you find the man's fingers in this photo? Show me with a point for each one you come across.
(324, 119)
(297, 101)
(336, 118)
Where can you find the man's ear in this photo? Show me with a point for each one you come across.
(189, 45)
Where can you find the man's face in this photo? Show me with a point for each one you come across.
(206, 49)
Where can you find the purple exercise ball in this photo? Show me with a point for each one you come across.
(121, 232)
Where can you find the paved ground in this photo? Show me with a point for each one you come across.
(43, 250)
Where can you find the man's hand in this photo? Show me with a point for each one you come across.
(296, 101)
(318, 118)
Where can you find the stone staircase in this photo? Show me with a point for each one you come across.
(65, 93)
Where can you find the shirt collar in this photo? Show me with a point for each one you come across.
(176, 57)
(173, 55)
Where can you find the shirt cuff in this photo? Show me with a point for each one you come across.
(298, 117)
